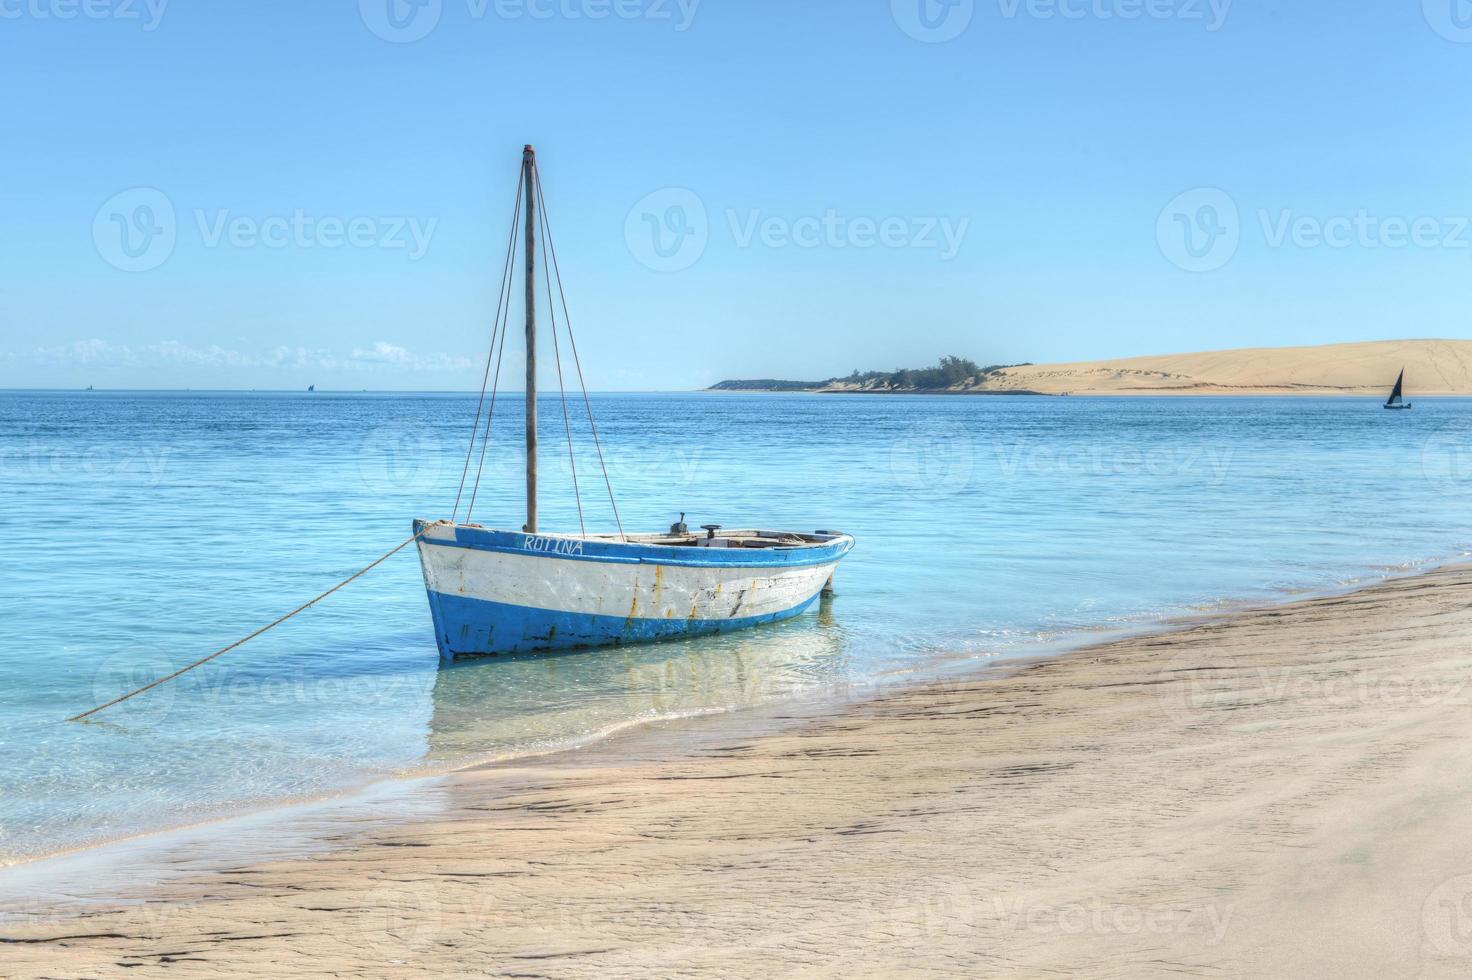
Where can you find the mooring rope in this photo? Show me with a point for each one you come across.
(272, 625)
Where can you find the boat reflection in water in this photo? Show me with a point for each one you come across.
(503, 707)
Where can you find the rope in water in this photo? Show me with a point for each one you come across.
(246, 639)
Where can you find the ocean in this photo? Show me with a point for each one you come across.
(144, 530)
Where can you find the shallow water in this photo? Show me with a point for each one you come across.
(144, 530)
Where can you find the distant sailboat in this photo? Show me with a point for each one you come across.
(1394, 401)
(311, 387)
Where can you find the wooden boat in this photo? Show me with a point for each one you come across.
(500, 591)
(1395, 401)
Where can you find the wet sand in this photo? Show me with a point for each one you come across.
(1287, 791)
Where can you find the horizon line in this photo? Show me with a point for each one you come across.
(365, 391)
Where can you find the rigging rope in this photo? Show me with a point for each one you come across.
(490, 352)
(504, 308)
(557, 355)
(572, 341)
(272, 625)
(485, 440)
(498, 348)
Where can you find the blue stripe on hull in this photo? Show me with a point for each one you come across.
(632, 553)
(479, 626)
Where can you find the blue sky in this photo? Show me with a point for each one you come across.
(273, 194)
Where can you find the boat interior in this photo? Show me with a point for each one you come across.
(709, 536)
(713, 537)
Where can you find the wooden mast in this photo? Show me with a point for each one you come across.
(529, 177)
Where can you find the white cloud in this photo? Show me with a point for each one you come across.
(86, 352)
(382, 353)
(96, 352)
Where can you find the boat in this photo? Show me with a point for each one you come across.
(1395, 401)
(497, 591)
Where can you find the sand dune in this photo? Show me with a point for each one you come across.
(1433, 367)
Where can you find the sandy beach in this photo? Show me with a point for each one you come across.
(1433, 367)
(1365, 369)
(1284, 791)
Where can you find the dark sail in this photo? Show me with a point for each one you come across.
(1395, 395)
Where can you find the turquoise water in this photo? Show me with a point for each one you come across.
(144, 530)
